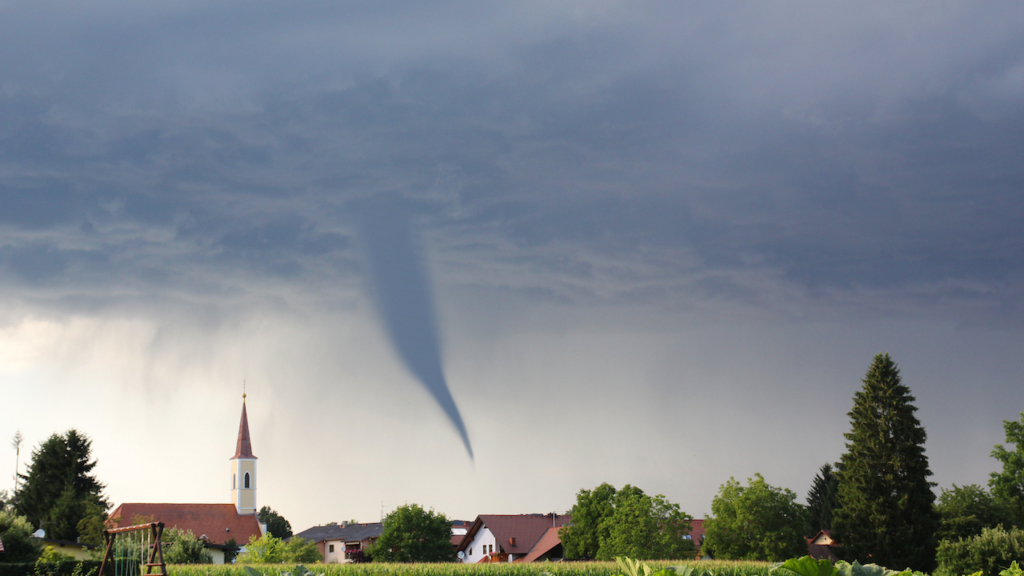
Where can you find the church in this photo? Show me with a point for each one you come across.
(214, 524)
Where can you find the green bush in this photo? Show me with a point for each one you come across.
(17, 568)
(989, 553)
(182, 547)
(16, 533)
(269, 550)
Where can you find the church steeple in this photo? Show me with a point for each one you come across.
(243, 449)
(243, 469)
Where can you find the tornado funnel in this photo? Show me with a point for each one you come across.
(401, 289)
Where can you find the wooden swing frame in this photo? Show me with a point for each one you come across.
(156, 555)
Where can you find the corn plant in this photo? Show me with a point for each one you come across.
(695, 568)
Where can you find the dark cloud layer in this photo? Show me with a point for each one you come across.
(673, 152)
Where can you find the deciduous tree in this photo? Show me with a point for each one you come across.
(583, 538)
(607, 523)
(1008, 484)
(300, 550)
(277, 526)
(965, 510)
(755, 522)
(412, 534)
(885, 513)
(263, 550)
(645, 528)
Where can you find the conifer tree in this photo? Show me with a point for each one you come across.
(822, 499)
(885, 514)
(59, 486)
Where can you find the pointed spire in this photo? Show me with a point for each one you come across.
(244, 447)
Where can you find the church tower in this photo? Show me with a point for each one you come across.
(243, 470)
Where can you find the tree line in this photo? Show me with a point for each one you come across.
(877, 501)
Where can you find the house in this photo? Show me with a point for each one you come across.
(513, 538)
(77, 550)
(215, 524)
(696, 534)
(337, 542)
(822, 547)
(459, 529)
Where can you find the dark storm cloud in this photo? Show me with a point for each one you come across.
(650, 154)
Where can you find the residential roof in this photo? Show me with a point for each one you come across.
(548, 541)
(244, 447)
(348, 533)
(515, 533)
(459, 529)
(822, 546)
(219, 522)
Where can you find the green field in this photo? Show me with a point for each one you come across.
(718, 567)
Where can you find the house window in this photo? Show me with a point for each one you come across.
(233, 481)
(330, 548)
(246, 479)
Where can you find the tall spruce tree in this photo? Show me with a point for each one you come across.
(59, 490)
(822, 499)
(885, 514)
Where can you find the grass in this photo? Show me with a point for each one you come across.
(718, 567)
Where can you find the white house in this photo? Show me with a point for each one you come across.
(513, 537)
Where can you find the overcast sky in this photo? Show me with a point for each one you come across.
(652, 243)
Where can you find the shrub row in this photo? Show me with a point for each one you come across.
(989, 553)
(718, 567)
(67, 568)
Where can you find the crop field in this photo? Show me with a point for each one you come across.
(716, 567)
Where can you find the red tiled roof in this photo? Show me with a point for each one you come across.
(549, 540)
(244, 447)
(220, 522)
(822, 546)
(525, 529)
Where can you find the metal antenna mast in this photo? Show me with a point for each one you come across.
(16, 444)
